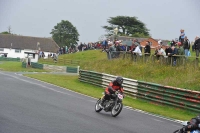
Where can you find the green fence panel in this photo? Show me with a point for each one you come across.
(72, 69)
(176, 97)
(36, 65)
(91, 77)
(9, 59)
(24, 64)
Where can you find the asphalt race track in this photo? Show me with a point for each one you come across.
(31, 106)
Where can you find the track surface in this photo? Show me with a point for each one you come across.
(31, 106)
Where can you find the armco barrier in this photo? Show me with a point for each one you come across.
(156, 93)
(72, 69)
(102, 80)
(36, 65)
(91, 77)
(176, 97)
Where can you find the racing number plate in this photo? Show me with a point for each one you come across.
(120, 96)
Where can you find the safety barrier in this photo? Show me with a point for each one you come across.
(168, 95)
(9, 59)
(24, 64)
(54, 68)
(156, 93)
(102, 80)
(72, 69)
(36, 65)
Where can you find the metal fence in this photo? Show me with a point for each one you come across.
(181, 60)
(54, 68)
(61, 61)
(166, 95)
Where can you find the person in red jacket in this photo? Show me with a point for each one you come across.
(113, 86)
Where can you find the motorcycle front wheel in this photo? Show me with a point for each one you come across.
(117, 109)
(97, 107)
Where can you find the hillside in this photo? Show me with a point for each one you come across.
(187, 77)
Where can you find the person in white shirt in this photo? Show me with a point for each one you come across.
(137, 50)
(161, 51)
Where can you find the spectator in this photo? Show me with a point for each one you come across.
(104, 45)
(133, 46)
(180, 49)
(147, 48)
(197, 46)
(192, 43)
(172, 43)
(160, 42)
(81, 46)
(174, 52)
(111, 51)
(186, 46)
(118, 49)
(138, 43)
(156, 51)
(182, 36)
(123, 48)
(137, 50)
(64, 50)
(160, 52)
(168, 50)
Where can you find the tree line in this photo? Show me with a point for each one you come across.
(65, 34)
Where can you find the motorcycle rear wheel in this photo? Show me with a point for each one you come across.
(116, 109)
(97, 107)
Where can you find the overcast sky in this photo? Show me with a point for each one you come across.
(164, 18)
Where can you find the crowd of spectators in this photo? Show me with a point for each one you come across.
(178, 47)
(174, 49)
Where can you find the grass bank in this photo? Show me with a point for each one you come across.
(72, 83)
(16, 67)
(187, 77)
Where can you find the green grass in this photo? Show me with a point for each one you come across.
(72, 83)
(187, 77)
(85, 56)
(16, 67)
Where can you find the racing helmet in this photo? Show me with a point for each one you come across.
(119, 80)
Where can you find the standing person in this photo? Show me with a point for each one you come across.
(136, 41)
(182, 36)
(64, 50)
(174, 52)
(137, 50)
(197, 46)
(104, 45)
(186, 46)
(168, 50)
(147, 50)
(172, 43)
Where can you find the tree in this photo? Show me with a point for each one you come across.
(64, 33)
(5, 32)
(128, 26)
